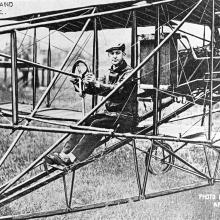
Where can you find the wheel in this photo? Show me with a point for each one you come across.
(161, 160)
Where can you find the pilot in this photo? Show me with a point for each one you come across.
(120, 109)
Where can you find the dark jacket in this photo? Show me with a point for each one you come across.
(124, 101)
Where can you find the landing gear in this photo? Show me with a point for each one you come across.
(161, 160)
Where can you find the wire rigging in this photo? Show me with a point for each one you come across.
(58, 29)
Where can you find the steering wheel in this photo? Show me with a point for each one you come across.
(79, 69)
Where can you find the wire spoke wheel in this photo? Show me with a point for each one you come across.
(161, 160)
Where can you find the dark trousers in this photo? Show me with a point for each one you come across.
(82, 146)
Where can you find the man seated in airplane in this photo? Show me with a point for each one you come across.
(120, 109)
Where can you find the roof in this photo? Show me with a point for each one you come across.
(175, 10)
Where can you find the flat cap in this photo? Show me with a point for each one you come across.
(119, 46)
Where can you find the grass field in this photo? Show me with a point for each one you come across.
(108, 178)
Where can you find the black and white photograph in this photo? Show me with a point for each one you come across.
(110, 110)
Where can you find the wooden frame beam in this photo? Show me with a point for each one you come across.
(14, 77)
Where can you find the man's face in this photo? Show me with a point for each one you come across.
(116, 56)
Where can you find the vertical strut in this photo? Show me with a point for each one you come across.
(65, 190)
(134, 46)
(211, 71)
(95, 61)
(216, 167)
(147, 169)
(34, 74)
(207, 160)
(156, 78)
(136, 167)
(71, 188)
(134, 61)
(48, 71)
(134, 53)
(204, 35)
(14, 77)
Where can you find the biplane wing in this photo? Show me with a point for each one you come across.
(115, 14)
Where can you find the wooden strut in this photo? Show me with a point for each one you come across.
(211, 72)
(14, 77)
(156, 83)
(95, 60)
(71, 188)
(40, 66)
(65, 191)
(109, 133)
(79, 127)
(68, 199)
(48, 72)
(35, 70)
(195, 115)
(207, 161)
(137, 173)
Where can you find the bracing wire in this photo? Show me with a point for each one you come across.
(23, 38)
(43, 42)
(60, 28)
(167, 22)
(73, 43)
(39, 40)
(81, 49)
(204, 11)
(182, 69)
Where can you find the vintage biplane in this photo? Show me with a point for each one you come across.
(173, 77)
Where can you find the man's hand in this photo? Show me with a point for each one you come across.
(89, 78)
